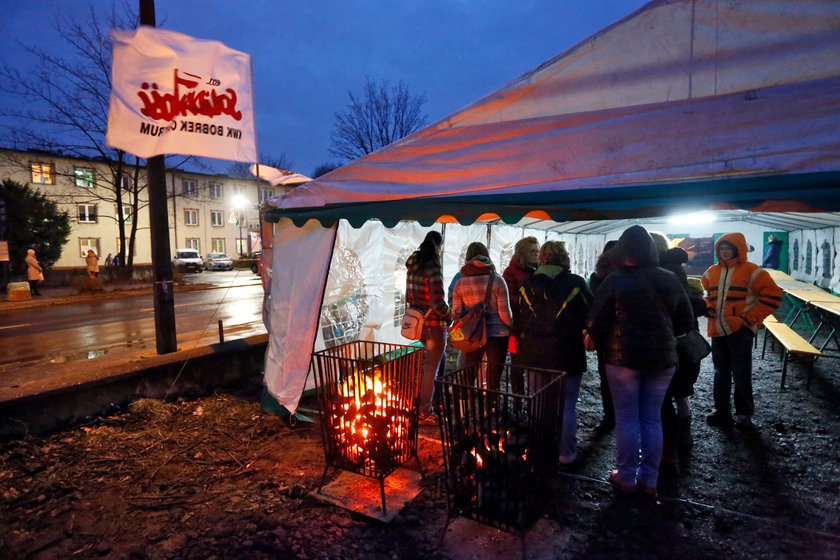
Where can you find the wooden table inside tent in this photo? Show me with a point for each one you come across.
(829, 316)
(802, 299)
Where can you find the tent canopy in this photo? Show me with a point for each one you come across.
(730, 105)
(683, 105)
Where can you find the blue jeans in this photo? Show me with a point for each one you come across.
(637, 396)
(568, 430)
(434, 341)
(732, 357)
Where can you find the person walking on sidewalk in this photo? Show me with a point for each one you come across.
(92, 263)
(739, 296)
(34, 272)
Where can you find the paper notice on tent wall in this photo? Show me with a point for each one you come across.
(175, 94)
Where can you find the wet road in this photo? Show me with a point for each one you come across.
(70, 332)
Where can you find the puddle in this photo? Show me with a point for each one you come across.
(94, 354)
(79, 356)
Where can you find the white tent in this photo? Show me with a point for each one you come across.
(730, 105)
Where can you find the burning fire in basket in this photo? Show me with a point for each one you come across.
(494, 463)
(369, 421)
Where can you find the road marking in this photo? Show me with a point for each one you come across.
(16, 326)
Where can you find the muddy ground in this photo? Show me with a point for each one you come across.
(215, 477)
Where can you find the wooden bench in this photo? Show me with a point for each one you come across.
(793, 344)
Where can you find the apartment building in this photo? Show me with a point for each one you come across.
(210, 213)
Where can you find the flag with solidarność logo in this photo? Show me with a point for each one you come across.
(175, 94)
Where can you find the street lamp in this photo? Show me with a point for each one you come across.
(240, 203)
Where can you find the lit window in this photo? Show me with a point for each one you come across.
(87, 213)
(218, 244)
(189, 188)
(217, 218)
(88, 243)
(215, 190)
(194, 243)
(84, 177)
(191, 217)
(42, 173)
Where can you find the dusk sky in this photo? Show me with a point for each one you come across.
(307, 55)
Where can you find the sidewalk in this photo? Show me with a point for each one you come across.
(69, 295)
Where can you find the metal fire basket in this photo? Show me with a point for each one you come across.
(368, 394)
(499, 447)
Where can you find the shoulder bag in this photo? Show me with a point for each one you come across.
(691, 346)
(469, 333)
(412, 323)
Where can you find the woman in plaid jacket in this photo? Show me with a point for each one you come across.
(470, 291)
(424, 291)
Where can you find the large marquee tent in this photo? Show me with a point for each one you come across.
(729, 105)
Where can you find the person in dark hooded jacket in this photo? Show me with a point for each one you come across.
(552, 313)
(424, 291)
(773, 253)
(469, 291)
(636, 315)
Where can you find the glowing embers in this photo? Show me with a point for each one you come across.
(500, 447)
(368, 420)
(368, 396)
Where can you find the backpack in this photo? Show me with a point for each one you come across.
(545, 307)
(469, 333)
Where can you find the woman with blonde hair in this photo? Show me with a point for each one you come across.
(552, 314)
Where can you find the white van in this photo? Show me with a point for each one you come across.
(188, 259)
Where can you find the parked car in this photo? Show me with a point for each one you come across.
(218, 261)
(188, 259)
(257, 263)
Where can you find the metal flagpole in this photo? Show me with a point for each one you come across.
(164, 297)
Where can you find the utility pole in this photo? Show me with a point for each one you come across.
(164, 296)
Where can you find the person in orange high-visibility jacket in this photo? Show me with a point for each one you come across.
(739, 295)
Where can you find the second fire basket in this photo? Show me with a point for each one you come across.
(499, 447)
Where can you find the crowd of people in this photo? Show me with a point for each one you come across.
(633, 312)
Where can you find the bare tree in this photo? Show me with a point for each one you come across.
(66, 110)
(324, 168)
(380, 115)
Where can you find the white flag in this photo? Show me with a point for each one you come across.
(276, 176)
(175, 94)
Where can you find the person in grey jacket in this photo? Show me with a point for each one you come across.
(636, 315)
